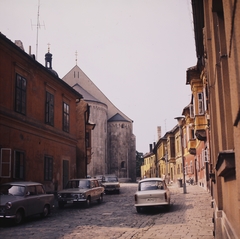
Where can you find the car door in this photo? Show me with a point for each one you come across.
(41, 198)
(98, 189)
(32, 202)
(93, 190)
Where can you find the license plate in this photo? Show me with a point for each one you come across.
(71, 201)
(150, 200)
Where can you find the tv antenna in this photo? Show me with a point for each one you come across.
(38, 25)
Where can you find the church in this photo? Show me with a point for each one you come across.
(112, 140)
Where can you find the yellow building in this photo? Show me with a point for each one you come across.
(148, 169)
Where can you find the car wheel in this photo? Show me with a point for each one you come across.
(61, 205)
(100, 198)
(138, 209)
(88, 202)
(18, 217)
(45, 211)
(118, 191)
(168, 207)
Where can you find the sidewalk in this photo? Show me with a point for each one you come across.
(190, 216)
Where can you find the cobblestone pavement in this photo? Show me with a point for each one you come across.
(116, 218)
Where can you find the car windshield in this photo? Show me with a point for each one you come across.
(14, 190)
(78, 184)
(110, 179)
(151, 185)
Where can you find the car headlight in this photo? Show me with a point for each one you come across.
(59, 195)
(81, 195)
(8, 205)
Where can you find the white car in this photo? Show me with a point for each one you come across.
(151, 192)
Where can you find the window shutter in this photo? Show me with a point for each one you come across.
(5, 163)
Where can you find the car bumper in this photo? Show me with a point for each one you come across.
(7, 216)
(70, 201)
(151, 205)
(111, 189)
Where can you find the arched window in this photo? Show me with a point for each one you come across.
(123, 164)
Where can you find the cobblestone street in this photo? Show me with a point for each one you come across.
(190, 216)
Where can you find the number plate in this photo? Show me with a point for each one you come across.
(71, 201)
(150, 200)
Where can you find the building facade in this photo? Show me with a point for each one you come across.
(38, 121)
(217, 38)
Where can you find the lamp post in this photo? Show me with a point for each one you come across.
(180, 124)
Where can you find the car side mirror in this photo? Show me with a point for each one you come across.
(27, 193)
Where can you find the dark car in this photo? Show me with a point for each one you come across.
(22, 199)
(83, 190)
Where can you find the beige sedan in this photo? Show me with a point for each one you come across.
(151, 192)
(77, 191)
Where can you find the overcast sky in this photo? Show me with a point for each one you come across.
(135, 51)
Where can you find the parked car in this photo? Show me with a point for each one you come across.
(84, 190)
(22, 199)
(111, 183)
(99, 178)
(152, 192)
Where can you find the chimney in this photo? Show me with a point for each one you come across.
(150, 146)
(19, 44)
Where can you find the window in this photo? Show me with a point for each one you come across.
(206, 155)
(20, 94)
(65, 117)
(19, 165)
(184, 140)
(88, 140)
(192, 134)
(205, 96)
(191, 111)
(178, 169)
(31, 190)
(200, 104)
(191, 167)
(48, 168)
(49, 111)
(123, 164)
(40, 189)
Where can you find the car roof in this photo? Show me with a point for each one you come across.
(22, 183)
(151, 179)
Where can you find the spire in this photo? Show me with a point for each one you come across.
(76, 54)
(48, 58)
(48, 61)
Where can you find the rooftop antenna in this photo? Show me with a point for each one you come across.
(38, 25)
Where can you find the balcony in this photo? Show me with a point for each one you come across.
(172, 160)
(200, 127)
(191, 146)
